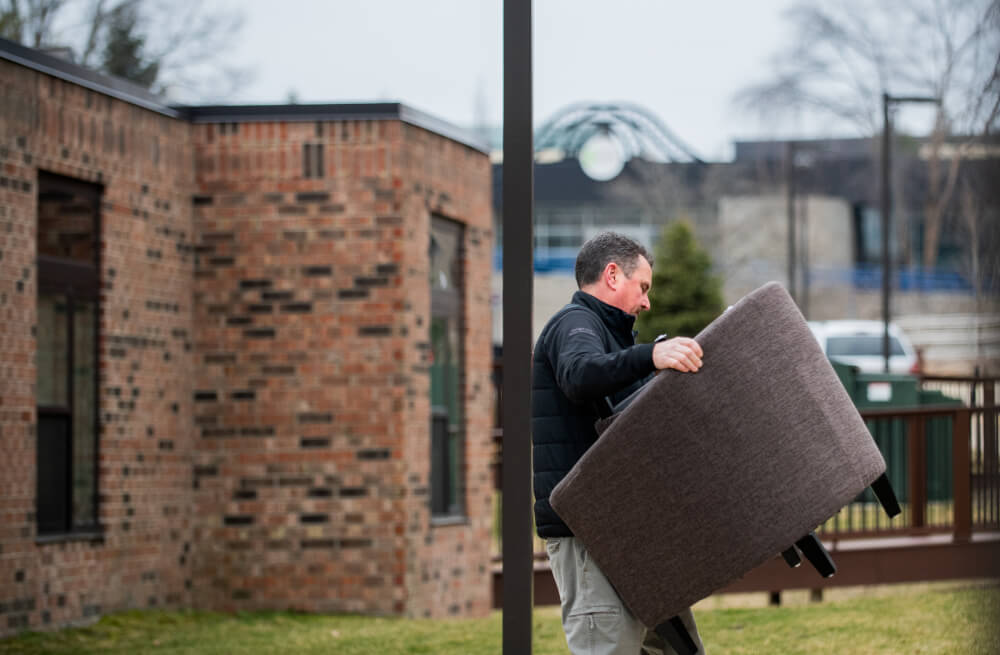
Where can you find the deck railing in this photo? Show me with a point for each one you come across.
(943, 462)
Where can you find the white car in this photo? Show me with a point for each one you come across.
(859, 343)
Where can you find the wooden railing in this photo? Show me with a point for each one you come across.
(944, 464)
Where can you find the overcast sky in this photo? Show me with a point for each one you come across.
(682, 60)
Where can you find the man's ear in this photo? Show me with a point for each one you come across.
(612, 275)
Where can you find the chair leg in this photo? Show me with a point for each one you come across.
(817, 554)
(791, 556)
(886, 496)
(676, 634)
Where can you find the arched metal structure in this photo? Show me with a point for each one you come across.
(639, 132)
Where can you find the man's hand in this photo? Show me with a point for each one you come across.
(680, 353)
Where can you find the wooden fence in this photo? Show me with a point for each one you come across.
(944, 462)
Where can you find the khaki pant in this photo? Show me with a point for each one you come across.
(594, 618)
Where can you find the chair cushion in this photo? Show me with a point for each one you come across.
(705, 476)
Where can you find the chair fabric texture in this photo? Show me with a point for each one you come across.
(705, 476)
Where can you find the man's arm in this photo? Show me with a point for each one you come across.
(584, 371)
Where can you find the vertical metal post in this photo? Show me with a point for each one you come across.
(961, 461)
(518, 267)
(790, 190)
(886, 209)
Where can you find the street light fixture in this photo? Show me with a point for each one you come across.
(888, 100)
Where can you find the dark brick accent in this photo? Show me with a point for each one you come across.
(352, 294)
(220, 358)
(375, 330)
(241, 519)
(204, 396)
(265, 431)
(259, 333)
(315, 417)
(374, 454)
(218, 432)
(276, 295)
(353, 492)
(312, 197)
(314, 518)
(387, 269)
(201, 201)
(367, 282)
(314, 442)
(320, 492)
(316, 271)
(255, 284)
(297, 308)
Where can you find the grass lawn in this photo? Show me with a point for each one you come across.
(909, 620)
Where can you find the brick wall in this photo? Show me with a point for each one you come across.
(140, 157)
(264, 361)
(311, 400)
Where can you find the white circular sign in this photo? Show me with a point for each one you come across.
(602, 157)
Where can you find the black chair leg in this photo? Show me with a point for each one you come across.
(791, 556)
(817, 554)
(886, 496)
(676, 634)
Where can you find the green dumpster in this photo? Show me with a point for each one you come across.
(889, 391)
(894, 391)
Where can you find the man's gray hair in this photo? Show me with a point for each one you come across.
(603, 249)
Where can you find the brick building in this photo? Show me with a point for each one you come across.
(244, 355)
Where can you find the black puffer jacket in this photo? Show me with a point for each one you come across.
(585, 358)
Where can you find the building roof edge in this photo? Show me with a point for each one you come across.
(71, 72)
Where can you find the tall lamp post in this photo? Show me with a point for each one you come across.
(518, 267)
(888, 100)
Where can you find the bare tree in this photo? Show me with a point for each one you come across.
(177, 47)
(845, 55)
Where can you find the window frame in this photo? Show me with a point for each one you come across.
(449, 304)
(75, 281)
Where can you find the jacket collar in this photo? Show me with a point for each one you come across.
(619, 322)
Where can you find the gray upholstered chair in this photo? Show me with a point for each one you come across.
(703, 477)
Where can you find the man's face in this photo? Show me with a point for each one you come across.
(632, 293)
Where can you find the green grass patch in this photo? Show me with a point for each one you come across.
(963, 620)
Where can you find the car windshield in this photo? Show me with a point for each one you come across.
(861, 344)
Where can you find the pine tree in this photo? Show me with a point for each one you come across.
(685, 296)
(123, 52)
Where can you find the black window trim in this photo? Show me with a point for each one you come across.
(452, 304)
(60, 275)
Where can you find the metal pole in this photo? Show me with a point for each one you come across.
(518, 267)
(886, 209)
(790, 190)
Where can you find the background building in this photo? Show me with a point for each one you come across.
(742, 212)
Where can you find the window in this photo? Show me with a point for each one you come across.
(312, 160)
(66, 355)
(447, 367)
